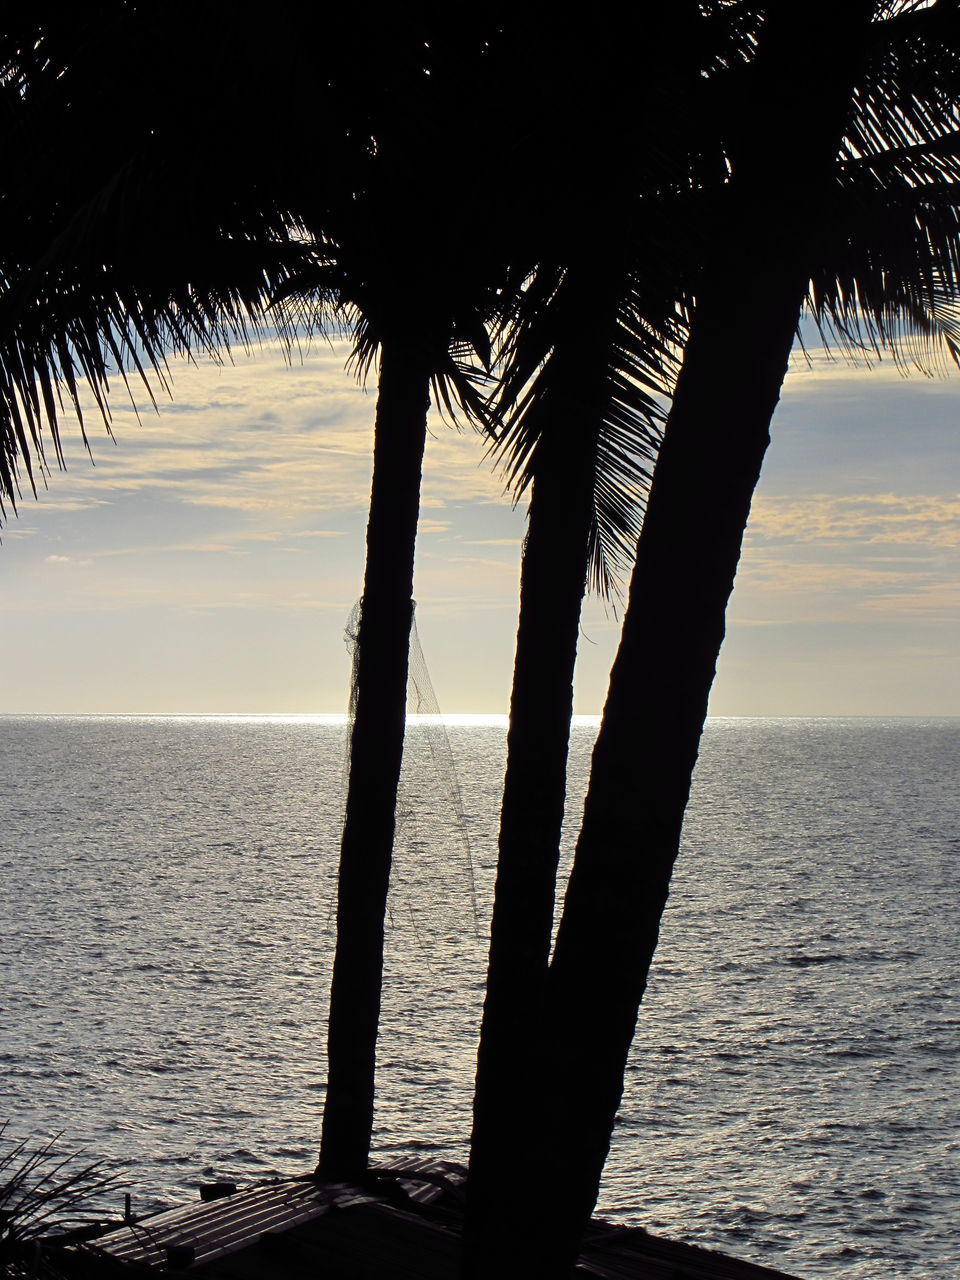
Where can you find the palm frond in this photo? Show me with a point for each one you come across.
(108, 267)
(66, 323)
(575, 359)
(41, 1186)
(898, 290)
(888, 269)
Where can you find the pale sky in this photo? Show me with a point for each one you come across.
(209, 560)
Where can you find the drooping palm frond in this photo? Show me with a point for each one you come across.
(115, 257)
(898, 291)
(69, 325)
(541, 354)
(596, 163)
(459, 363)
(907, 91)
(887, 273)
(454, 343)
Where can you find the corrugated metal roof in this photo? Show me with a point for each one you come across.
(303, 1230)
(225, 1225)
(428, 1180)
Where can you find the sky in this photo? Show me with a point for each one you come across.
(208, 561)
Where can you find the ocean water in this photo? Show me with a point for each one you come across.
(793, 1092)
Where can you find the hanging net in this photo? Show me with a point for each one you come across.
(433, 893)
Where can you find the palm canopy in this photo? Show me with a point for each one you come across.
(893, 284)
(120, 247)
(219, 218)
(630, 180)
(582, 157)
(892, 291)
(199, 217)
(883, 262)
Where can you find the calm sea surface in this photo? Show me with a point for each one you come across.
(794, 1093)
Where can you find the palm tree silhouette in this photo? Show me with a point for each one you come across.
(113, 257)
(363, 238)
(583, 437)
(425, 285)
(862, 138)
(581, 441)
(783, 217)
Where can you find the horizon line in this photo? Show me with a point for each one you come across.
(496, 718)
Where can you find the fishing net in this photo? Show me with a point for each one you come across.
(433, 893)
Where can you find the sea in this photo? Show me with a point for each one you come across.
(793, 1096)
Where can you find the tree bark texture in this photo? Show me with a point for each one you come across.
(376, 750)
(687, 556)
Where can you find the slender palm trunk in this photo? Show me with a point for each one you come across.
(552, 585)
(376, 750)
(686, 562)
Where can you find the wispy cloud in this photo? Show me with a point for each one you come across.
(269, 440)
(799, 584)
(226, 533)
(75, 562)
(861, 370)
(896, 519)
(780, 576)
(933, 601)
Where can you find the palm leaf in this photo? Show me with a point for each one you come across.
(540, 354)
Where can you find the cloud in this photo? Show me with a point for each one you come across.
(784, 584)
(934, 601)
(780, 576)
(49, 502)
(170, 548)
(872, 558)
(860, 370)
(70, 560)
(272, 441)
(869, 519)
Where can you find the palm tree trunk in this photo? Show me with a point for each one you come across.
(376, 749)
(686, 562)
(647, 748)
(552, 584)
(553, 581)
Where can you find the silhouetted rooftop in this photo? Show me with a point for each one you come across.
(404, 1223)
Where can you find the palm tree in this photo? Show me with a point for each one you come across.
(359, 230)
(397, 267)
(131, 256)
(407, 370)
(424, 305)
(582, 441)
(860, 136)
(582, 437)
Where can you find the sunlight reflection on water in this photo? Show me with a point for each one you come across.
(792, 1093)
